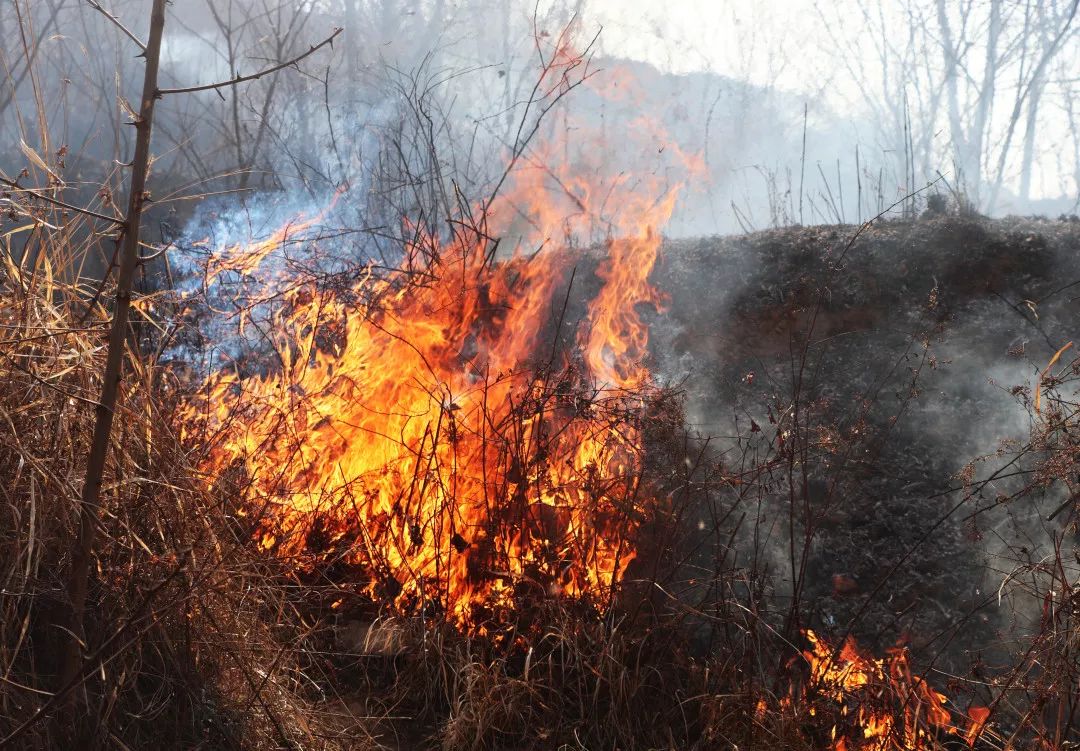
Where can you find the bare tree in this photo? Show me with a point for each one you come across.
(976, 71)
(138, 198)
(82, 553)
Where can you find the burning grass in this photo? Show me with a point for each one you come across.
(484, 509)
(416, 439)
(444, 503)
(441, 427)
(206, 630)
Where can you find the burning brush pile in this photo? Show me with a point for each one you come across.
(465, 462)
(446, 503)
(491, 522)
(440, 433)
(450, 500)
(467, 452)
(449, 434)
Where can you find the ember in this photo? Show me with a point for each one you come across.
(870, 703)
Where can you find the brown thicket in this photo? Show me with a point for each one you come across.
(191, 635)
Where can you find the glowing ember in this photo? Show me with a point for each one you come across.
(875, 703)
(977, 717)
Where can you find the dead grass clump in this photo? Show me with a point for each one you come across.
(1034, 699)
(187, 645)
(491, 709)
(575, 683)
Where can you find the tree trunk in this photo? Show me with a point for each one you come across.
(1029, 142)
(89, 511)
(986, 98)
(1038, 76)
(956, 125)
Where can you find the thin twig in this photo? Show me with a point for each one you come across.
(98, 7)
(57, 202)
(242, 79)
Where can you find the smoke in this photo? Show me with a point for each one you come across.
(926, 346)
(778, 148)
(422, 102)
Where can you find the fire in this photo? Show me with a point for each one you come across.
(875, 704)
(977, 717)
(424, 430)
(245, 259)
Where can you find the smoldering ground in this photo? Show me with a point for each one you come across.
(910, 384)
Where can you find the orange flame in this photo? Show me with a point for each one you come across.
(878, 703)
(977, 717)
(246, 259)
(421, 429)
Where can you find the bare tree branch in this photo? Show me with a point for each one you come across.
(57, 202)
(254, 76)
(116, 21)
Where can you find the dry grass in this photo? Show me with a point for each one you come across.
(186, 646)
(580, 685)
(197, 639)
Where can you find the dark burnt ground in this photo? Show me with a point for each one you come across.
(883, 453)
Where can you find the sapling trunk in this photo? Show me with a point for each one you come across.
(90, 507)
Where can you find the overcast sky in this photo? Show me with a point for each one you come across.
(791, 45)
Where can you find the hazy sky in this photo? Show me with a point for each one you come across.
(791, 45)
(733, 38)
